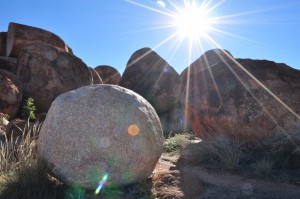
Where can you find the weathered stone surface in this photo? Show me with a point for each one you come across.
(226, 100)
(8, 63)
(10, 93)
(152, 77)
(3, 36)
(96, 79)
(108, 74)
(173, 121)
(212, 57)
(101, 129)
(19, 35)
(46, 72)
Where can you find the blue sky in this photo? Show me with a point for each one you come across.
(107, 32)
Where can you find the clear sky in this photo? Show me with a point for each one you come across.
(107, 32)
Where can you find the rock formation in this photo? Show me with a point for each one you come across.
(230, 98)
(98, 130)
(3, 36)
(8, 63)
(173, 121)
(96, 79)
(46, 72)
(19, 35)
(108, 74)
(152, 77)
(10, 93)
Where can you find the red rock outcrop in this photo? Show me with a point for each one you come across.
(8, 63)
(108, 74)
(10, 93)
(3, 36)
(96, 79)
(173, 121)
(46, 72)
(19, 35)
(153, 78)
(226, 99)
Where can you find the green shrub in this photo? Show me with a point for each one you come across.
(28, 109)
(174, 144)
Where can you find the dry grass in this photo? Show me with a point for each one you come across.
(13, 152)
(219, 150)
(23, 174)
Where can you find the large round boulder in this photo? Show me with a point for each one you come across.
(247, 99)
(108, 74)
(101, 130)
(46, 72)
(152, 77)
(10, 93)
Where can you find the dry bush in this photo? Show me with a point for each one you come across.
(174, 144)
(263, 168)
(23, 174)
(285, 149)
(15, 151)
(220, 151)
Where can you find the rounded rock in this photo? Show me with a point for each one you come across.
(250, 100)
(108, 74)
(153, 78)
(10, 93)
(46, 72)
(98, 130)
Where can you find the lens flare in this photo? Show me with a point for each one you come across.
(161, 3)
(101, 184)
(133, 130)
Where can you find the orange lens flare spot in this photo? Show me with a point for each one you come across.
(133, 130)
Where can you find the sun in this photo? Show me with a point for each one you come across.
(192, 22)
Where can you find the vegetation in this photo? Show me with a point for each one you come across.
(278, 153)
(24, 175)
(28, 109)
(174, 144)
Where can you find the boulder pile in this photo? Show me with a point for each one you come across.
(243, 98)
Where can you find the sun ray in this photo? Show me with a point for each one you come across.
(149, 8)
(154, 48)
(236, 36)
(254, 97)
(221, 19)
(203, 35)
(215, 6)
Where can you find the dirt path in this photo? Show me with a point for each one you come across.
(173, 180)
